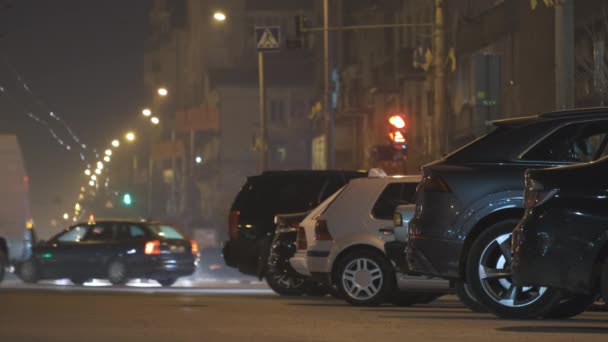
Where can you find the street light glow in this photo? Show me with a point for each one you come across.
(219, 16)
(115, 143)
(155, 120)
(66, 216)
(98, 171)
(130, 136)
(198, 159)
(162, 92)
(108, 152)
(106, 159)
(99, 165)
(146, 112)
(91, 183)
(93, 177)
(87, 172)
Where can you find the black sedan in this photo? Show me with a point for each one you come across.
(562, 241)
(115, 250)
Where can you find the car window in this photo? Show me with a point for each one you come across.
(75, 234)
(167, 232)
(130, 231)
(394, 194)
(100, 232)
(576, 143)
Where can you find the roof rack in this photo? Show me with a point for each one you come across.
(576, 112)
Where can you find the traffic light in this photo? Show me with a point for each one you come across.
(398, 131)
(126, 199)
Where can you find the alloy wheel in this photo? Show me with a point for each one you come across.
(495, 276)
(288, 282)
(362, 279)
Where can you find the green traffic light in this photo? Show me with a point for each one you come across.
(126, 199)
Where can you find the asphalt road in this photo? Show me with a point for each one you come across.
(67, 313)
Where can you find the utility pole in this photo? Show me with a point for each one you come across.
(564, 54)
(439, 132)
(262, 95)
(329, 113)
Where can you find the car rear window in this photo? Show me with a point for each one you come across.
(167, 232)
(394, 194)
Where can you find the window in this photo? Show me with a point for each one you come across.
(394, 194)
(76, 234)
(128, 232)
(167, 232)
(575, 143)
(100, 233)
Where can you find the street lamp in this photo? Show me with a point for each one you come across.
(87, 172)
(146, 112)
(93, 177)
(98, 171)
(108, 152)
(66, 216)
(130, 136)
(154, 120)
(198, 159)
(91, 183)
(162, 92)
(219, 16)
(106, 159)
(115, 143)
(99, 165)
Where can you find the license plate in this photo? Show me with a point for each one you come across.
(177, 249)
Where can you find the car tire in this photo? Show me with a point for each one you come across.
(166, 282)
(488, 274)
(29, 272)
(571, 306)
(286, 285)
(403, 298)
(117, 272)
(3, 265)
(463, 292)
(365, 278)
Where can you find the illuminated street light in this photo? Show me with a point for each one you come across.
(106, 159)
(98, 171)
(219, 16)
(130, 136)
(198, 159)
(91, 183)
(163, 91)
(108, 152)
(115, 143)
(100, 165)
(87, 172)
(82, 189)
(66, 216)
(146, 112)
(93, 177)
(155, 120)
(77, 207)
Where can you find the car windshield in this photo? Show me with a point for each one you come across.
(166, 232)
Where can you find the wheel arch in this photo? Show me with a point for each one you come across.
(480, 226)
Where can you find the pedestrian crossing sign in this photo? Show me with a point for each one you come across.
(268, 38)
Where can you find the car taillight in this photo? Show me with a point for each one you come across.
(233, 225)
(433, 183)
(301, 239)
(322, 231)
(536, 194)
(152, 247)
(193, 247)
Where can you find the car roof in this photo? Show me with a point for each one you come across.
(390, 179)
(309, 172)
(569, 114)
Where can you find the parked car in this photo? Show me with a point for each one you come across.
(469, 202)
(117, 250)
(561, 244)
(251, 224)
(339, 242)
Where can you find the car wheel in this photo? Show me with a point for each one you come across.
(285, 285)
(571, 306)
(78, 280)
(3, 265)
(166, 282)
(402, 298)
(28, 271)
(365, 278)
(488, 271)
(463, 291)
(117, 273)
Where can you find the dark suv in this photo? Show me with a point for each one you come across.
(251, 224)
(469, 202)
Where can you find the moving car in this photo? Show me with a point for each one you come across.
(561, 244)
(339, 243)
(251, 224)
(116, 250)
(17, 233)
(469, 202)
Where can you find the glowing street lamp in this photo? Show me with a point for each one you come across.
(98, 171)
(163, 91)
(106, 159)
(219, 16)
(108, 152)
(154, 120)
(99, 165)
(93, 177)
(115, 143)
(130, 136)
(66, 216)
(87, 172)
(146, 112)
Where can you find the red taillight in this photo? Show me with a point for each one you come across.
(433, 183)
(193, 247)
(322, 231)
(233, 225)
(301, 239)
(152, 247)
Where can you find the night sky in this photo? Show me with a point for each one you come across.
(84, 60)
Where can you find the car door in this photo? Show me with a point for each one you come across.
(60, 256)
(98, 248)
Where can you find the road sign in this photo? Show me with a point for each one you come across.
(268, 38)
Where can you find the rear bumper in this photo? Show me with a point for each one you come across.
(163, 267)
(282, 249)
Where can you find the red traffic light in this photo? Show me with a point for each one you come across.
(397, 121)
(397, 137)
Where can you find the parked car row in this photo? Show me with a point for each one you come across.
(378, 240)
